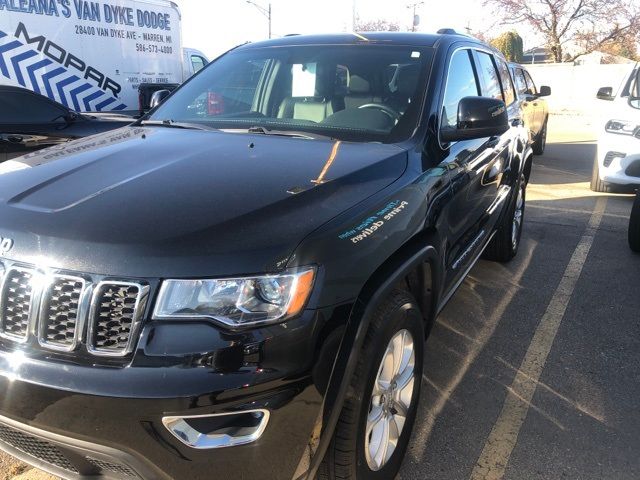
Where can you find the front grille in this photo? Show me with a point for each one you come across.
(74, 460)
(35, 447)
(16, 301)
(116, 307)
(118, 468)
(59, 317)
(59, 309)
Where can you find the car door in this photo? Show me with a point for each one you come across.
(535, 102)
(476, 166)
(528, 110)
(29, 122)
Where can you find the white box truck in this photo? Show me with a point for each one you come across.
(93, 56)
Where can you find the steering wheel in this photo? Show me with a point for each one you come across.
(390, 112)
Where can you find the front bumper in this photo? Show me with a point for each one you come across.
(106, 421)
(80, 436)
(619, 159)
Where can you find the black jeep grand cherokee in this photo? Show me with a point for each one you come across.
(240, 284)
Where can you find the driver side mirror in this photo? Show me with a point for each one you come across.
(158, 97)
(544, 91)
(478, 117)
(605, 93)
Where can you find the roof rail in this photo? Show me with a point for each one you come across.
(447, 31)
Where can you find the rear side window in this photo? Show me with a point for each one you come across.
(25, 107)
(507, 83)
(521, 83)
(491, 87)
(461, 82)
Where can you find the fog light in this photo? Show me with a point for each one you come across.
(218, 430)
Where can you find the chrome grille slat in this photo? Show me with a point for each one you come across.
(116, 310)
(58, 310)
(60, 321)
(16, 303)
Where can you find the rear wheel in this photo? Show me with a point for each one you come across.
(634, 225)
(598, 185)
(375, 424)
(541, 140)
(506, 241)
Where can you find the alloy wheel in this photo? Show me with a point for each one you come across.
(390, 400)
(517, 218)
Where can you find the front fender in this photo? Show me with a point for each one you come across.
(354, 334)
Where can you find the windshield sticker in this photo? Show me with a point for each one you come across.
(369, 225)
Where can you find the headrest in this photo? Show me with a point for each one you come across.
(357, 84)
(408, 80)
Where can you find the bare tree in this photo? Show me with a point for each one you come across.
(587, 24)
(376, 26)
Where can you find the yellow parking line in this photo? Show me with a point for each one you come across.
(497, 449)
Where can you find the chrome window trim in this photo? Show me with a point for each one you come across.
(138, 312)
(81, 316)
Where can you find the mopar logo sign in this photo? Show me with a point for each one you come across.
(6, 244)
(60, 55)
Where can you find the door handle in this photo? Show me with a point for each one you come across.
(516, 122)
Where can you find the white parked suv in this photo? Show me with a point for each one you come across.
(617, 162)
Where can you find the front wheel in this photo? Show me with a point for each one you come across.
(375, 424)
(506, 241)
(598, 185)
(634, 225)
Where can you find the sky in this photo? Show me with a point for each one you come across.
(214, 26)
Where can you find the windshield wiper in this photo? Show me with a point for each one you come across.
(171, 124)
(286, 133)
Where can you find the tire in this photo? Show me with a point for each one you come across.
(634, 225)
(541, 140)
(506, 241)
(397, 319)
(598, 185)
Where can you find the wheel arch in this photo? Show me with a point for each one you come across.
(416, 265)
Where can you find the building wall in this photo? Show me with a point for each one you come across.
(574, 87)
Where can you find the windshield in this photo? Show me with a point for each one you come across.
(349, 92)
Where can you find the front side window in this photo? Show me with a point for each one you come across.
(25, 107)
(354, 92)
(461, 82)
(491, 87)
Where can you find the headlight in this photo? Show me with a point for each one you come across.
(237, 302)
(622, 127)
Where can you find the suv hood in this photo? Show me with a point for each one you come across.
(158, 202)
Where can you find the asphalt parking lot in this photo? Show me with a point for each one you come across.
(532, 369)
